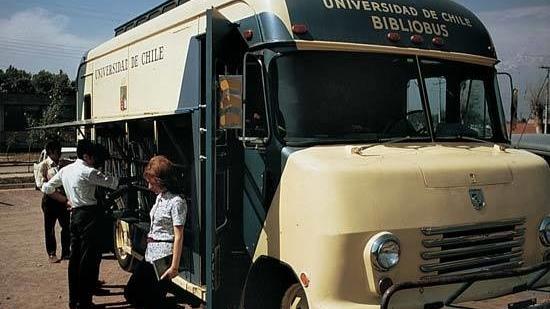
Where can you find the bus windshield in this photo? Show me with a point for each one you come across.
(325, 97)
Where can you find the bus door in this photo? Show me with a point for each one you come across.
(254, 138)
(224, 51)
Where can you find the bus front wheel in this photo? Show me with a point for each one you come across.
(121, 235)
(294, 298)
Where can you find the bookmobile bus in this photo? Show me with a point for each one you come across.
(335, 153)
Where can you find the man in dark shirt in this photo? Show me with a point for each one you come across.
(53, 210)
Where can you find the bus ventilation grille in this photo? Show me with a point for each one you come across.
(473, 248)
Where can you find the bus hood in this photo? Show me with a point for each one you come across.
(333, 199)
(390, 181)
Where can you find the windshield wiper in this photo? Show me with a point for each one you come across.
(475, 139)
(320, 141)
(387, 141)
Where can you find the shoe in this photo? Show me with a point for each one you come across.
(101, 292)
(99, 283)
(92, 306)
(53, 259)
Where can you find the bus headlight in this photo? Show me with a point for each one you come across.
(544, 231)
(385, 251)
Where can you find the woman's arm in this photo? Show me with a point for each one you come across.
(176, 254)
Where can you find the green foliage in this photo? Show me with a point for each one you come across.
(537, 104)
(34, 136)
(43, 83)
(49, 84)
(54, 87)
(11, 139)
(52, 114)
(16, 81)
(58, 89)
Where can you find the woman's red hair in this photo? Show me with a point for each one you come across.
(162, 170)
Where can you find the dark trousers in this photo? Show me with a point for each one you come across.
(144, 289)
(55, 211)
(85, 255)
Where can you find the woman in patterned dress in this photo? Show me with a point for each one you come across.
(165, 237)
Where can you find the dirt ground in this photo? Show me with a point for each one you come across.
(27, 280)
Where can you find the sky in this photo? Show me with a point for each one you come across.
(54, 34)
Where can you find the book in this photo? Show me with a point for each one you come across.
(161, 265)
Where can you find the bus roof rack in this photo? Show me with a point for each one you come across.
(152, 13)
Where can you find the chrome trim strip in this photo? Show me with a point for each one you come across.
(481, 270)
(428, 231)
(431, 243)
(428, 255)
(496, 267)
(358, 47)
(471, 262)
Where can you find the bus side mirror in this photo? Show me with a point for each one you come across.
(514, 110)
(513, 102)
(255, 128)
(231, 101)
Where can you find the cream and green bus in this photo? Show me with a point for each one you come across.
(336, 153)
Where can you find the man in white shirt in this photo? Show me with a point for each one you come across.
(53, 209)
(80, 180)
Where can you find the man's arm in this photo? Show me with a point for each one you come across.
(99, 179)
(50, 186)
(54, 183)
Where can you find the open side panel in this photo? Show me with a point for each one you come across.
(224, 51)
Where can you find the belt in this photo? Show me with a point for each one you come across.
(149, 239)
(85, 207)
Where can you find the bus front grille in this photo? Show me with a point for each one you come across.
(473, 248)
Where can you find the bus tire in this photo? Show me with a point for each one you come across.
(294, 298)
(120, 235)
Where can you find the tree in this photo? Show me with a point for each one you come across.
(46, 83)
(34, 136)
(56, 87)
(11, 139)
(16, 81)
(537, 105)
(2, 77)
(54, 109)
(43, 82)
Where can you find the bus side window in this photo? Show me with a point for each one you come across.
(87, 106)
(256, 117)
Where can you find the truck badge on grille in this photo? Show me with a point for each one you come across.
(477, 199)
(473, 178)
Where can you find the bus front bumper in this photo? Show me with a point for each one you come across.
(447, 291)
